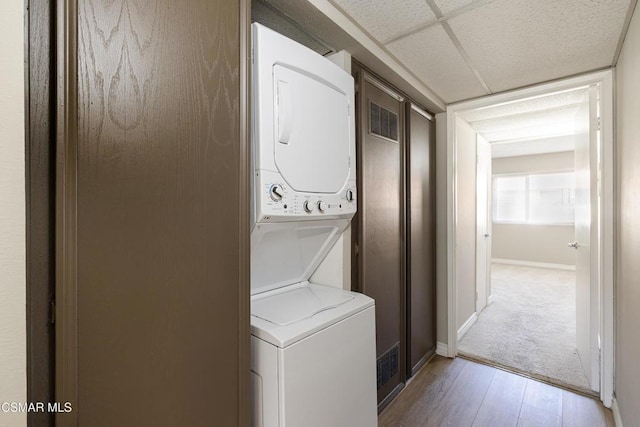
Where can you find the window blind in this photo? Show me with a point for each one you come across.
(534, 198)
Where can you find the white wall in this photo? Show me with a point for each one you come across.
(550, 162)
(441, 228)
(341, 59)
(529, 242)
(465, 221)
(13, 381)
(627, 352)
(335, 269)
(546, 244)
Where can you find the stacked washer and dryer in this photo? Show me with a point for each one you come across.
(312, 346)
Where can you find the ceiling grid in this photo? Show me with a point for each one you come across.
(445, 25)
(505, 44)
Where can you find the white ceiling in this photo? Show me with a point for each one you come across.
(468, 48)
(385, 20)
(536, 146)
(543, 124)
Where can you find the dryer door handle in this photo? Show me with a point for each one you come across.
(285, 112)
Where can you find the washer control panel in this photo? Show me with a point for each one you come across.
(276, 201)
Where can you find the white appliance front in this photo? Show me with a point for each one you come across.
(286, 253)
(313, 347)
(290, 314)
(303, 133)
(312, 121)
(322, 380)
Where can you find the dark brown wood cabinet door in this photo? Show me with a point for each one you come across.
(421, 288)
(152, 243)
(379, 224)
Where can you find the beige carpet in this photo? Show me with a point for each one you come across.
(530, 325)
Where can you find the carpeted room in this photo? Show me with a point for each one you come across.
(529, 326)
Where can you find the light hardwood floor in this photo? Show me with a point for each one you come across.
(462, 393)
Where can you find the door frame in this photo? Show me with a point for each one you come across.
(485, 239)
(606, 221)
(40, 92)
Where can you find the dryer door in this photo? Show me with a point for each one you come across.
(311, 132)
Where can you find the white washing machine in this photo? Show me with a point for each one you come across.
(312, 346)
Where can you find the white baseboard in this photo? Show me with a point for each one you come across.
(616, 413)
(442, 349)
(534, 264)
(465, 327)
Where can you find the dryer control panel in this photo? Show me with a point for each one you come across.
(277, 201)
(303, 133)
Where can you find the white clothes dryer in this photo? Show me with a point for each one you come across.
(312, 346)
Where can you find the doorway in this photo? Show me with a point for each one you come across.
(594, 311)
(526, 211)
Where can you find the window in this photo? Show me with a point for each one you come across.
(510, 199)
(534, 199)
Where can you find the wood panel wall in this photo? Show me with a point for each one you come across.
(421, 239)
(153, 213)
(393, 232)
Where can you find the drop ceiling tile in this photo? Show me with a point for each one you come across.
(514, 43)
(431, 56)
(448, 6)
(387, 19)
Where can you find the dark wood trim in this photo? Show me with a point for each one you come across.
(357, 222)
(407, 233)
(66, 227)
(246, 175)
(387, 400)
(404, 239)
(425, 359)
(40, 205)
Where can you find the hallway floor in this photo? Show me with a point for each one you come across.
(462, 393)
(530, 326)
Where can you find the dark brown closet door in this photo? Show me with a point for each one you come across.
(152, 243)
(421, 289)
(379, 239)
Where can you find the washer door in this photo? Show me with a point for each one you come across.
(298, 304)
(311, 132)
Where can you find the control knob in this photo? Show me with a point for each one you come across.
(276, 192)
(322, 206)
(308, 206)
(349, 195)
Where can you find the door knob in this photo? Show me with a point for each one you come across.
(487, 235)
(574, 245)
